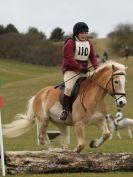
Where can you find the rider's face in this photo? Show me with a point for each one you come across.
(82, 36)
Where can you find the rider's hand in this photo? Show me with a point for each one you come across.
(84, 70)
(95, 67)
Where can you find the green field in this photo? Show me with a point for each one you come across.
(22, 81)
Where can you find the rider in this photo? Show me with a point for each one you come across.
(118, 117)
(76, 52)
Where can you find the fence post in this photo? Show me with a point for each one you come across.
(1, 140)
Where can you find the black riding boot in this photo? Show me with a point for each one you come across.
(64, 113)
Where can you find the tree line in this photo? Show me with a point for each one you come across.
(34, 47)
(31, 47)
(120, 38)
(56, 34)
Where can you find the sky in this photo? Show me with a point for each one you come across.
(102, 16)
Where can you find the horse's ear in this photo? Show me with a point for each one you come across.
(114, 68)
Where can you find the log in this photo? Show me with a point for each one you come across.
(59, 161)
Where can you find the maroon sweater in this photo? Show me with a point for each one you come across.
(70, 63)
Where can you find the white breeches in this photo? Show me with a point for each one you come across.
(69, 84)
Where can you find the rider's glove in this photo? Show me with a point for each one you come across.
(95, 67)
(84, 70)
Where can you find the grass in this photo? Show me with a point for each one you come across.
(21, 81)
(100, 45)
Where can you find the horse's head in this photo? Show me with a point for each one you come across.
(111, 78)
(116, 83)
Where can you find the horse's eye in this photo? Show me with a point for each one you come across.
(116, 82)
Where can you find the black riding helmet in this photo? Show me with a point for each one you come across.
(80, 27)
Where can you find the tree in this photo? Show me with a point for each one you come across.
(57, 34)
(92, 35)
(34, 31)
(11, 28)
(1, 29)
(121, 37)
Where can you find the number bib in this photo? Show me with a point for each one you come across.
(82, 50)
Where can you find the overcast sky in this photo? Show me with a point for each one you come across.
(101, 15)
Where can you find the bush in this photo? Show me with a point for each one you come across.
(121, 37)
(30, 49)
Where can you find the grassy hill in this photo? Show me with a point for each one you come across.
(100, 45)
(21, 81)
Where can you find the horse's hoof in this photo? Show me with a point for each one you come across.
(76, 151)
(93, 144)
(79, 148)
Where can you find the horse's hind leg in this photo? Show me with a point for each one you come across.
(65, 135)
(43, 137)
(118, 134)
(130, 133)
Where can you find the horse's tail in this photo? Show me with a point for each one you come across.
(22, 124)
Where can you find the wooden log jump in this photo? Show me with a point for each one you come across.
(41, 162)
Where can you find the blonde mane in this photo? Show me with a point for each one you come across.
(109, 64)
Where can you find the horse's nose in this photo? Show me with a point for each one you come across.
(121, 103)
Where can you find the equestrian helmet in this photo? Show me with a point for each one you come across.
(80, 27)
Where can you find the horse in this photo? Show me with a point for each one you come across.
(122, 124)
(88, 108)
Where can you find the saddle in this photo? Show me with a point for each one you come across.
(74, 93)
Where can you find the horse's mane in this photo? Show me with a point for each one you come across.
(109, 64)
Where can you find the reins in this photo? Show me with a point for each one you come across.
(112, 94)
(62, 83)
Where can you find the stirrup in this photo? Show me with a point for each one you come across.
(63, 115)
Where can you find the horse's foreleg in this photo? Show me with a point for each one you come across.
(130, 133)
(43, 137)
(80, 133)
(105, 135)
(118, 134)
(111, 133)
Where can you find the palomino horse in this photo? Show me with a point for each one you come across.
(88, 108)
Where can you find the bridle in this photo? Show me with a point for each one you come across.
(113, 93)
